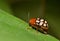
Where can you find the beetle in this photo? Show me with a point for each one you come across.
(39, 24)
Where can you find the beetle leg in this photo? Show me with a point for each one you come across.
(45, 32)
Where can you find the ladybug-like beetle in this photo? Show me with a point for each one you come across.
(39, 24)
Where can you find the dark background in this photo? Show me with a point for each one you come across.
(48, 9)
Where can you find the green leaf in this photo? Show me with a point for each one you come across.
(14, 29)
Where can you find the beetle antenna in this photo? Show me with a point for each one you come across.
(28, 16)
